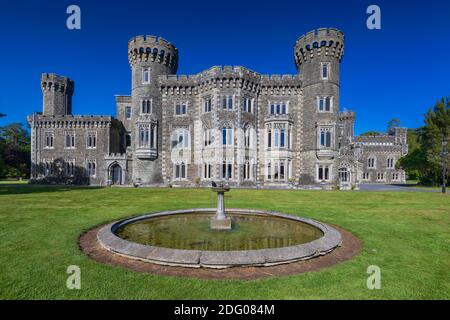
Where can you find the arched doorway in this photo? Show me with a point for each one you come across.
(344, 175)
(115, 173)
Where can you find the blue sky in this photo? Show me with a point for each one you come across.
(396, 72)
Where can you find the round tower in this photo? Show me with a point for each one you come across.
(149, 57)
(317, 50)
(318, 56)
(57, 94)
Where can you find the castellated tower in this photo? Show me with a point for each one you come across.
(149, 58)
(57, 94)
(317, 56)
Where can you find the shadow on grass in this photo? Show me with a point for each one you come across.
(28, 189)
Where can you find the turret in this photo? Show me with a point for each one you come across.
(57, 94)
(149, 57)
(318, 55)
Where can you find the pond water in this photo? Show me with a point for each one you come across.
(192, 232)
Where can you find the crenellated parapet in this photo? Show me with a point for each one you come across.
(54, 82)
(144, 49)
(325, 42)
(70, 121)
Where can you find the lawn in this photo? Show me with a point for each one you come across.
(406, 234)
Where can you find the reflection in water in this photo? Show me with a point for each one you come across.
(192, 232)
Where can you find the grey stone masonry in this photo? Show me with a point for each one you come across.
(224, 123)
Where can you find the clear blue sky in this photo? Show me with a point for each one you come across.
(398, 72)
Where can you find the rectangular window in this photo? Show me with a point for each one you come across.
(146, 76)
(323, 173)
(325, 70)
(146, 106)
(69, 140)
(69, 168)
(325, 104)
(181, 108)
(227, 170)
(127, 112)
(49, 140)
(227, 136)
(227, 103)
(180, 171)
(207, 169)
(325, 138)
(247, 170)
(278, 108)
(48, 168)
(207, 105)
(91, 142)
(248, 105)
(91, 168)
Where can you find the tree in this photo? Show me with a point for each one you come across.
(14, 151)
(395, 122)
(371, 133)
(424, 160)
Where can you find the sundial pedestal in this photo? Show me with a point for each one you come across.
(220, 221)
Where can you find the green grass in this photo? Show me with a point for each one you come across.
(406, 234)
(14, 182)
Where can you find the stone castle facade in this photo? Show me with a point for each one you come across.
(225, 123)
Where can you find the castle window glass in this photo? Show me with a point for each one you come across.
(207, 105)
(69, 140)
(227, 170)
(49, 140)
(325, 70)
(181, 108)
(144, 135)
(278, 108)
(180, 139)
(395, 176)
(207, 170)
(69, 168)
(227, 136)
(127, 112)
(91, 168)
(227, 102)
(146, 76)
(247, 137)
(325, 140)
(366, 176)
(323, 173)
(390, 163)
(91, 142)
(371, 163)
(248, 105)
(344, 175)
(48, 168)
(208, 137)
(180, 170)
(325, 104)
(380, 176)
(146, 107)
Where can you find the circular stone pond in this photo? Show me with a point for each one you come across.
(184, 238)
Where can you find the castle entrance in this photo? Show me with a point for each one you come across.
(116, 174)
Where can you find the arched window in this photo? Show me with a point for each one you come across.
(247, 137)
(146, 76)
(391, 162)
(371, 162)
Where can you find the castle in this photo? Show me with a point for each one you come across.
(225, 123)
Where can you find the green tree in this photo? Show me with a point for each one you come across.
(395, 122)
(424, 160)
(371, 133)
(14, 151)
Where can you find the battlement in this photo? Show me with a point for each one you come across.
(319, 43)
(54, 82)
(148, 48)
(346, 115)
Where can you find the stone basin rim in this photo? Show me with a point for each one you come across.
(108, 239)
